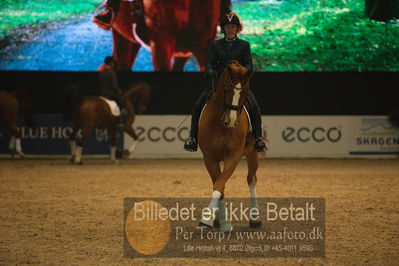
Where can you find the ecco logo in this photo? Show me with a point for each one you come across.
(169, 134)
(305, 134)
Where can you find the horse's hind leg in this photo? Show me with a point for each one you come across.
(112, 154)
(72, 144)
(252, 162)
(86, 132)
(15, 141)
(11, 146)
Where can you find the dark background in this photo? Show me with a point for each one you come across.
(305, 93)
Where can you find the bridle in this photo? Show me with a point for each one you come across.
(228, 87)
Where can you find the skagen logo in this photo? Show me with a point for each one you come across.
(317, 134)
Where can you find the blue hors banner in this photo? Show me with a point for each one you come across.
(52, 137)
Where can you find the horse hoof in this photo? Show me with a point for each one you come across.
(225, 227)
(205, 223)
(116, 162)
(21, 155)
(216, 224)
(255, 224)
(126, 154)
(72, 160)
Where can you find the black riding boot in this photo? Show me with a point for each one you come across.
(192, 144)
(256, 121)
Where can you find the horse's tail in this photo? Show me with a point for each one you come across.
(25, 106)
(72, 98)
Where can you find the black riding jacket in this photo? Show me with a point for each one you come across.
(109, 83)
(220, 54)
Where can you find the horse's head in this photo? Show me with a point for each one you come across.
(235, 85)
(139, 96)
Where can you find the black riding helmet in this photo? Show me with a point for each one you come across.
(230, 18)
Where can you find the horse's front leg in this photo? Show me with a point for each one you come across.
(162, 51)
(213, 167)
(132, 133)
(14, 145)
(72, 144)
(252, 162)
(230, 164)
(125, 51)
(217, 214)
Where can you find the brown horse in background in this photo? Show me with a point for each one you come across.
(94, 112)
(171, 29)
(223, 136)
(11, 104)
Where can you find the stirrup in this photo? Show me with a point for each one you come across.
(191, 145)
(260, 145)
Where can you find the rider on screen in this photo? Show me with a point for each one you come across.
(221, 52)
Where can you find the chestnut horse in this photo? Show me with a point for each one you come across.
(94, 112)
(171, 29)
(10, 105)
(224, 136)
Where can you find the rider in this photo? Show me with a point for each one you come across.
(221, 52)
(105, 18)
(109, 86)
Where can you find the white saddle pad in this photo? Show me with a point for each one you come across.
(115, 111)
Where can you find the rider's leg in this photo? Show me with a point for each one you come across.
(105, 18)
(122, 106)
(192, 143)
(256, 121)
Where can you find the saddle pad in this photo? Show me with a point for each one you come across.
(113, 106)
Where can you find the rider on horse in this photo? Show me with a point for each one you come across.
(109, 85)
(221, 52)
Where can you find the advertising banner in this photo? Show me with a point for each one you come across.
(52, 137)
(306, 136)
(373, 135)
(163, 136)
(286, 136)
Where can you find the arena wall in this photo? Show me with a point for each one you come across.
(162, 136)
